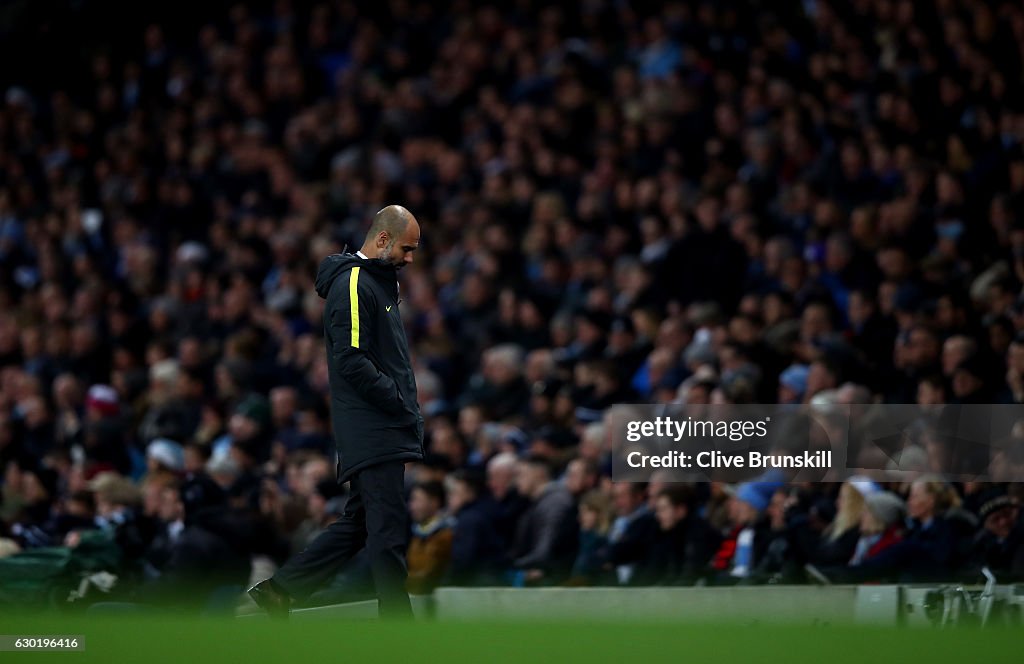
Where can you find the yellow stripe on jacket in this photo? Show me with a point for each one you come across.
(353, 299)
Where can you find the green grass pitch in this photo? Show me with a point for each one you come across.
(146, 639)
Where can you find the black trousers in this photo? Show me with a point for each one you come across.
(375, 517)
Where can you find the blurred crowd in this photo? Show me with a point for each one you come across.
(816, 202)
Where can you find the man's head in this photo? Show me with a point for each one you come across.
(860, 306)
(1015, 355)
(425, 501)
(532, 475)
(999, 513)
(464, 487)
(503, 364)
(393, 236)
(930, 495)
(969, 377)
(672, 505)
(922, 347)
(580, 476)
(659, 480)
(284, 403)
(931, 390)
(955, 351)
(750, 500)
(501, 474)
(628, 497)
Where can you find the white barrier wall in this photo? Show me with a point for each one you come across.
(812, 604)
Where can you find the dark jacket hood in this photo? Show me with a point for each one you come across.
(330, 268)
(335, 264)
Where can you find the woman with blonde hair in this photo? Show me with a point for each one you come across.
(839, 539)
(881, 529)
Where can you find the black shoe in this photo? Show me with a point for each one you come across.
(269, 597)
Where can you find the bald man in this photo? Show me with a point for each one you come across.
(375, 416)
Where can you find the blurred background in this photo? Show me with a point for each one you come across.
(690, 202)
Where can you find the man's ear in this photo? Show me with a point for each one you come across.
(382, 239)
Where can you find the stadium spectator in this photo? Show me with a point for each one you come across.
(546, 537)
(1000, 545)
(581, 476)
(633, 530)
(511, 504)
(430, 547)
(749, 533)
(881, 527)
(927, 550)
(683, 546)
(595, 520)
(840, 538)
(478, 551)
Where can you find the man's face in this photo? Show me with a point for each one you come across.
(625, 499)
(170, 508)
(964, 383)
(283, 402)
(242, 428)
(422, 507)
(923, 347)
(954, 351)
(859, 308)
(668, 514)
(528, 479)
(500, 480)
(576, 479)
(1015, 357)
(398, 251)
(741, 512)
(920, 502)
(459, 495)
(1001, 522)
(814, 323)
(929, 394)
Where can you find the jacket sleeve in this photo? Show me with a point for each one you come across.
(351, 322)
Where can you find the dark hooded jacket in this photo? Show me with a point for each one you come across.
(374, 411)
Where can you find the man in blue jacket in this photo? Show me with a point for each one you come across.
(375, 416)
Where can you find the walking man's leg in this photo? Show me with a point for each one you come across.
(310, 569)
(387, 535)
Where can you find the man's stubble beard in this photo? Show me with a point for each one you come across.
(397, 265)
(385, 255)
